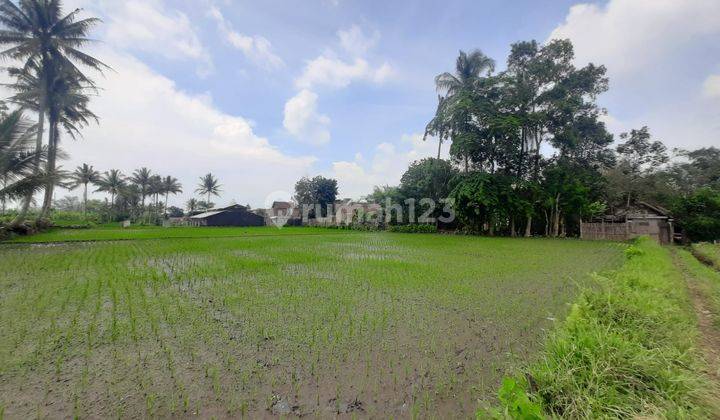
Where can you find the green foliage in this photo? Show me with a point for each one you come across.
(626, 349)
(427, 178)
(318, 190)
(633, 251)
(699, 215)
(413, 228)
(515, 402)
(708, 253)
(74, 219)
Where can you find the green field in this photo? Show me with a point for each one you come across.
(108, 233)
(260, 321)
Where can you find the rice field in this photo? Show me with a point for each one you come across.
(114, 233)
(297, 322)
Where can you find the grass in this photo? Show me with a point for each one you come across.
(706, 277)
(627, 348)
(112, 232)
(372, 324)
(708, 253)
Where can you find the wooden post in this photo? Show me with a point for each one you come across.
(604, 236)
(627, 229)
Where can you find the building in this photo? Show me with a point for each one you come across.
(627, 222)
(283, 213)
(235, 215)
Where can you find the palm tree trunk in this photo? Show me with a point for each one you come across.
(85, 201)
(439, 147)
(166, 200)
(22, 213)
(50, 169)
(4, 200)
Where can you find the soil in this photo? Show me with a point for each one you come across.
(709, 339)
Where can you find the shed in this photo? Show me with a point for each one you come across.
(630, 221)
(236, 215)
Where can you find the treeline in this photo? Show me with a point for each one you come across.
(530, 154)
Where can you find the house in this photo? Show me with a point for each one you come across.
(630, 221)
(283, 213)
(235, 215)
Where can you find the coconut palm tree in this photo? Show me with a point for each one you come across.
(209, 185)
(155, 188)
(112, 183)
(141, 178)
(469, 69)
(67, 108)
(84, 175)
(17, 158)
(170, 185)
(37, 33)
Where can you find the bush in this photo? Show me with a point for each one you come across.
(413, 228)
(699, 215)
(74, 219)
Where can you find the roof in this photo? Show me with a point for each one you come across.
(657, 209)
(207, 214)
(637, 210)
(281, 205)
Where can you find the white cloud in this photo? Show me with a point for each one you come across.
(648, 47)
(711, 86)
(150, 27)
(329, 71)
(256, 48)
(147, 121)
(629, 35)
(356, 42)
(389, 161)
(302, 120)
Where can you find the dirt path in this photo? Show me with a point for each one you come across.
(709, 340)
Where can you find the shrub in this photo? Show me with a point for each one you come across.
(699, 215)
(413, 228)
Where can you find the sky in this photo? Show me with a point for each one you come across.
(263, 93)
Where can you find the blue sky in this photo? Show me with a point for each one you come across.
(261, 93)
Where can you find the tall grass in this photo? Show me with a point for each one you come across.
(625, 350)
(707, 253)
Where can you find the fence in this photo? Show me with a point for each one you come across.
(658, 229)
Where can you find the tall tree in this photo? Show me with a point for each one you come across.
(317, 191)
(453, 88)
(192, 205)
(18, 157)
(112, 182)
(141, 178)
(155, 189)
(170, 185)
(209, 185)
(638, 158)
(37, 33)
(84, 175)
